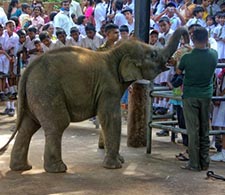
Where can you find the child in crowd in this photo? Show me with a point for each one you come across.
(81, 23)
(219, 35)
(39, 48)
(62, 41)
(210, 25)
(154, 38)
(20, 50)
(166, 31)
(162, 79)
(176, 19)
(218, 121)
(128, 13)
(198, 17)
(216, 16)
(29, 44)
(25, 17)
(47, 43)
(119, 18)
(4, 63)
(93, 40)
(124, 32)
(11, 41)
(75, 37)
(176, 84)
(37, 20)
(50, 29)
(89, 11)
(17, 23)
(102, 32)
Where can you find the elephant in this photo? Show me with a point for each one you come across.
(73, 84)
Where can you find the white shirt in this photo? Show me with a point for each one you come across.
(75, 9)
(99, 15)
(92, 44)
(220, 31)
(29, 45)
(10, 41)
(51, 47)
(64, 21)
(24, 18)
(166, 36)
(120, 19)
(212, 43)
(72, 42)
(59, 44)
(175, 22)
(3, 17)
(196, 21)
(210, 30)
(214, 7)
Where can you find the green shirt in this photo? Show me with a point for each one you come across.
(199, 66)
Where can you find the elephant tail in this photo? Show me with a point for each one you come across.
(5, 147)
(20, 107)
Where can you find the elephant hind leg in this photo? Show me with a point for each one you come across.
(19, 161)
(52, 156)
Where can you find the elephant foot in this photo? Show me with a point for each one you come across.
(113, 163)
(58, 167)
(20, 166)
(121, 159)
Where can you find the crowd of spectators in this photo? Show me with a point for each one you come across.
(27, 31)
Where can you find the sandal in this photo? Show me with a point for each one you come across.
(182, 157)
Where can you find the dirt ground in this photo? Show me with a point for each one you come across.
(142, 174)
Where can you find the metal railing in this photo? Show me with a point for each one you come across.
(170, 125)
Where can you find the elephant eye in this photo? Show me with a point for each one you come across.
(154, 54)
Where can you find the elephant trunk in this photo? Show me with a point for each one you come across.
(174, 41)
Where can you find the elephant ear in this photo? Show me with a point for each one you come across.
(129, 69)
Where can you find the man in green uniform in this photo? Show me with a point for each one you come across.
(112, 35)
(199, 66)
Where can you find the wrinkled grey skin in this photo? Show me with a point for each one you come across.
(73, 84)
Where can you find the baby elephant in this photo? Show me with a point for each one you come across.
(73, 84)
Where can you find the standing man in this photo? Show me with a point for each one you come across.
(63, 19)
(112, 35)
(75, 9)
(199, 66)
(99, 14)
(3, 16)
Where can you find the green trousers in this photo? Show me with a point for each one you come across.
(196, 114)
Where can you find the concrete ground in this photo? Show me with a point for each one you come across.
(142, 174)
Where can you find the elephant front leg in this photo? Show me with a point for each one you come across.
(52, 156)
(111, 127)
